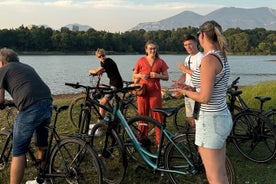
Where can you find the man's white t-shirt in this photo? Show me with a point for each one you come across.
(192, 62)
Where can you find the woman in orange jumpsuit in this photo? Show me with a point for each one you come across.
(149, 70)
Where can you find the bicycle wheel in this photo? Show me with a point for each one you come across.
(174, 160)
(146, 136)
(179, 119)
(74, 161)
(272, 116)
(110, 148)
(5, 149)
(254, 136)
(75, 109)
(130, 107)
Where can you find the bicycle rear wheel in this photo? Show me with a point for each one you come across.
(110, 149)
(5, 149)
(74, 161)
(174, 160)
(146, 135)
(254, 136)
(179, 119)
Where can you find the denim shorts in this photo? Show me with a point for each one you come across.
(213, 128)
(189, 107)
(29, 121)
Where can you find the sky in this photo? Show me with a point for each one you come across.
(108, 15)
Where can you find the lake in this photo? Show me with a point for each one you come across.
(56, 70)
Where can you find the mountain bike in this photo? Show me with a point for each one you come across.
(253, 133)
(171, 155)
(68, 160)
(108, 143)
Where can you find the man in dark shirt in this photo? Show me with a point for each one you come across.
(112, 71)
(33, 100)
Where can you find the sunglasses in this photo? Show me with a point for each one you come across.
(198, 33)
(101, 56)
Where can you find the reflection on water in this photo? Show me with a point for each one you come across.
(56, 70)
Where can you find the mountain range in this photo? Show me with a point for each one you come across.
(227, 17)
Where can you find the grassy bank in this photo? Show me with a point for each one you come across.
(247, 172)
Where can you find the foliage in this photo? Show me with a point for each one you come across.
(40, 39)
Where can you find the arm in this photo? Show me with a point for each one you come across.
(210, 66)
(96, 71)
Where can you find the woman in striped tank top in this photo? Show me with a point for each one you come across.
(214, 121)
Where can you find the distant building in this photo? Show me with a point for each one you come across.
(75, 28)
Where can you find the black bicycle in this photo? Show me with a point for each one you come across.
(68, 160)
(130, 107)
(253, 133)
(107, 143)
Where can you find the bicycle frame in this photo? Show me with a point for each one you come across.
(146, 155)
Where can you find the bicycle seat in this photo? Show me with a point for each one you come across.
(263, 98)
(166, 111)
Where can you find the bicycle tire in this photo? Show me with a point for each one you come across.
(174, 160)
(5, 149)
(110, 148)
(148, 142)
(74, 161)
(179, 119)
(130, 108)
(75, 109)
(272, 116)
(254, 136)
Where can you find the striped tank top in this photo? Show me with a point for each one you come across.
(218, 98)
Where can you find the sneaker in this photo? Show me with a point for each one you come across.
(35, 182)
(98, 132)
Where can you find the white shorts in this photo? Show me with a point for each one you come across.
(213, 128)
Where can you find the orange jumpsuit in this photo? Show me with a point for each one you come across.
(153, 98)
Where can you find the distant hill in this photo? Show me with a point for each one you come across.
(228, 17)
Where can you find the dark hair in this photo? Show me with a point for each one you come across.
(190, 37)
(8, 55)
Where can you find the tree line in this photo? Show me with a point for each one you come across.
(40, 39)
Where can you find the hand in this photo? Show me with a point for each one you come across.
(154, 75)
(181, 66)
(144, 76)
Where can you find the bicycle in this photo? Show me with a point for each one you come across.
(8, 111)
(253, 134)
(176, 159)
(68, 160)
(108, 144)
(75, 106)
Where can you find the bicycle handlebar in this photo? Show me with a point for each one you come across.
(103, 89)
(236, 81)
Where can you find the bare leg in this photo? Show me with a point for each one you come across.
(214, 163)
(17, 169)
(102, 102)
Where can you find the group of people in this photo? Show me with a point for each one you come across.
(204, 79)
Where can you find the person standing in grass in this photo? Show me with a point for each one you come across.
(33, 100)
(214, 121)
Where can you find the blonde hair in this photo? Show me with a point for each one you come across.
(214, 33)
(99, 52)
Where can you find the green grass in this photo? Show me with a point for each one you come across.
(247, 172)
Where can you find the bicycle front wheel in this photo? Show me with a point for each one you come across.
(74, 161)
(75, 110)
(110, 149)
(191, 167)
(254, 136)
